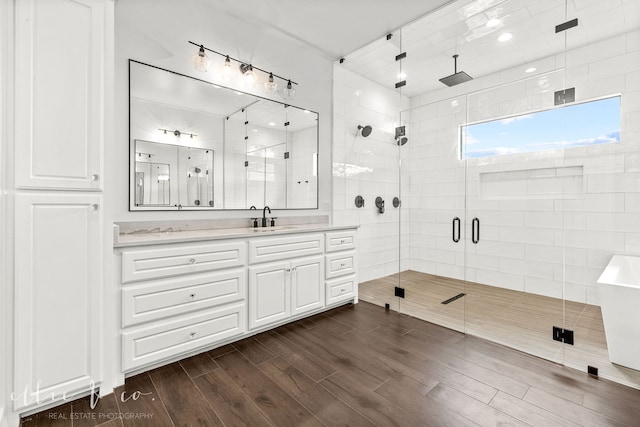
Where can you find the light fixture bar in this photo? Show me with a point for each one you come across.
(243, 63)
(178, 132)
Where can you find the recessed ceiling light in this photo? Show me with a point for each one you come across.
(493, 22)
(272, 124)
(530, 70)
(505, 37)
(402, 76)
(254, 130)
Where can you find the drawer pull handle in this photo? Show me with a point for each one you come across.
(192, 335)
(342, 291)
(342, 265)
(192, 295)
(341, 242)
(192, 260)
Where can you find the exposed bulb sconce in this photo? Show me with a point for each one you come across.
(227, 71)
(270, 86)
(288, 92)
(249, 77)
(178, 133)
(201, 62)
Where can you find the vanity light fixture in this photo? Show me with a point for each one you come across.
(249, 77)
(505, 37)
(201, 60)
(227, 71)
(270, 86)
(178, 133)
(201, 63)
(289, 92)
(494, 22)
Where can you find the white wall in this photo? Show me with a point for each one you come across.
(367, 167)
(157, 32)
(547, 217)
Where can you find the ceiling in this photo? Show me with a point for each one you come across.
(432, 31)
(333, 28)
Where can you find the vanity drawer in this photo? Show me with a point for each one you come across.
(340, 264)
(155, 263)
(155, 343)
(340, 240)
(285, 248)
(179, 295)
(340, 289)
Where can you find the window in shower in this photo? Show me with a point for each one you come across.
(575, 125)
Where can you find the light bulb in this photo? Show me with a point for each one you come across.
(249, 78)
(289, 92)
(227, 71)
(201, 61)
(270, 86)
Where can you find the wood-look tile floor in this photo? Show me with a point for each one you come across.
(358, 365)
(516, 319)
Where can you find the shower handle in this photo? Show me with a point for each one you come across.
(455, 232)
(475, 230)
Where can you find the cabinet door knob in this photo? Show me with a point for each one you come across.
(95, 206)
(288, 270)
(192, 260)
(192, 335)
(95, 177)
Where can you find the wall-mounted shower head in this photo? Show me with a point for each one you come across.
(365, 130)
(457, 77)
(402, 140)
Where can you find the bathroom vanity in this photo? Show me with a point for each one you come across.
(185, 292)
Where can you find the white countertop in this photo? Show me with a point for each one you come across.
(161, 237)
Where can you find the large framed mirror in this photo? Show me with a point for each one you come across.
(197, 146)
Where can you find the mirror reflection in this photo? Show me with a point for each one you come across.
(195, 145)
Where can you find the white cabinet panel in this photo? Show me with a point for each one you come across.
(58, 276)
(174, 260)
(340, 240)
(306, 284)
(60, 77)
(146, 345)
(340, 264)
(341, 289)
(284, 248)
(269, 293)
(158, 299)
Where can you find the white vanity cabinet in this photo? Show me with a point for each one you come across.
(341, 267)
(178, 298)
(279, 290)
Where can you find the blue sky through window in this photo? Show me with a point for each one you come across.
(577, 125)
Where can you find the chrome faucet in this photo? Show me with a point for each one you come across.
(264, 215)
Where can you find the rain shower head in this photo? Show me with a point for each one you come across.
(457, 77)
(365, 131)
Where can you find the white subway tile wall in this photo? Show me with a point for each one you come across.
(550, 221)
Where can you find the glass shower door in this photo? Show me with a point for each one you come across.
(433, 188)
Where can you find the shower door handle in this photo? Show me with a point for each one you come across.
(475, 230)
(455, 232)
